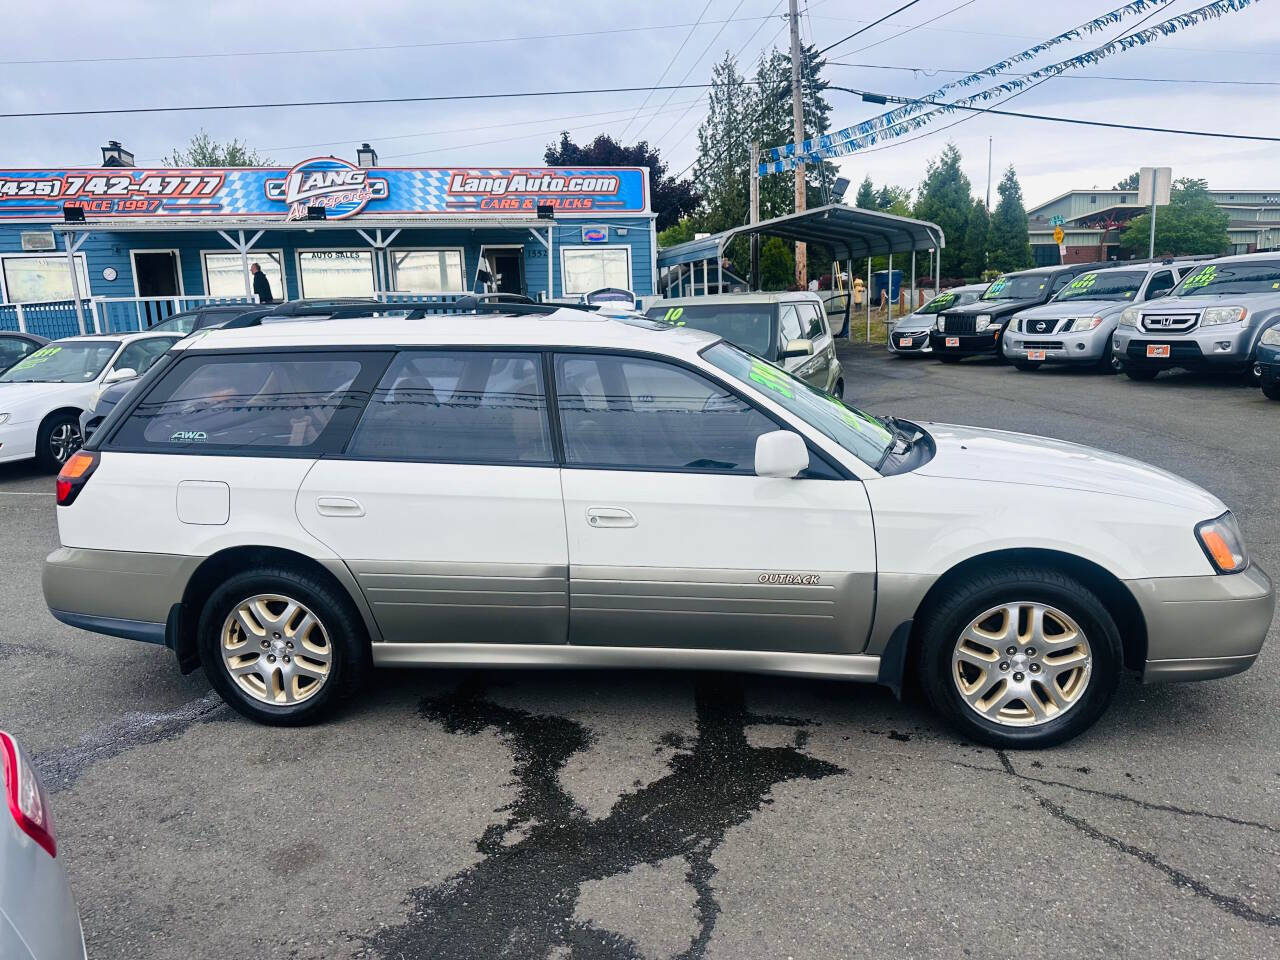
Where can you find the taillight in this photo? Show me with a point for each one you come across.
(27, 802)
(74, 475)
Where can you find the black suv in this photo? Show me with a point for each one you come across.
(976, 328)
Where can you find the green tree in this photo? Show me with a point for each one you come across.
(1191, 223)
(777, 264)
(1128, 183)
(896, 200)
(945, 199)
(204, 151)
(678, 232)
(720, 173)
(1008, 241)
(671, 198)
(975, 240)
(866, 197)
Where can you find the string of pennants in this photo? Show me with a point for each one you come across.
(903, 119)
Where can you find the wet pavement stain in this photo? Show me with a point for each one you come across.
(519, 901)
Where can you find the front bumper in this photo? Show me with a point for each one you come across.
(986, 343)
(1204, 627)
(1217, 346)
(910, 341)
(1269, 363)
(1085, 347)
(17, 441)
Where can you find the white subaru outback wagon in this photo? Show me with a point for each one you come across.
(290, 505)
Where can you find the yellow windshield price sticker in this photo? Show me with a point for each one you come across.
(771, 378)
(40, 356)
(1084, 282)
(673, 316)
(1203, 278)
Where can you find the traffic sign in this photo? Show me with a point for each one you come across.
(1058, 235)
(1056, 221)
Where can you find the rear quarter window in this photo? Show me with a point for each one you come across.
(300, 404)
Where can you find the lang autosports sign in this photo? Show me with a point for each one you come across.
(342, 188)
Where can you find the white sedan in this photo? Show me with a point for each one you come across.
(43, 395)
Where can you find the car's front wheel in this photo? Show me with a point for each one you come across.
(948, 358)
(281, 646)
(57, 439)
(1022, 657)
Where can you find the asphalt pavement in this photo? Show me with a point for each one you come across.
(486, 814)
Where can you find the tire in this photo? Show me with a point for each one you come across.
(1085, 685)
(838, 392)
(1141, 374)
(1254, 373)
(266, 592)
(1108, 362)
(58, 437)
(1271, 389)
(948, 358)
(1024, 365)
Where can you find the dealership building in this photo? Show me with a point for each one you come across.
(1092, 221)
(120, 247)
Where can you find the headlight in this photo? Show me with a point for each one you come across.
(983, 322)
(940, 324)
(1213, 316)
(1271, 337)
(1130, 317)
(4, 418)
(1080, 324)
(1222, 543)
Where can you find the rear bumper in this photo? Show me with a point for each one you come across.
(115, 592)
(1204, 627)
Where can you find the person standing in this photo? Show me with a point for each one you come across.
(261, 285)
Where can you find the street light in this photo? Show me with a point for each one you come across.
(366, 156)
(114, 155)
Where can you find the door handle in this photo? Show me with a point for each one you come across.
(610, 517)
(338, 507)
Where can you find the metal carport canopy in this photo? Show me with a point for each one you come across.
(850, 232)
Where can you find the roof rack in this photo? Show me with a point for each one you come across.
(347, 309)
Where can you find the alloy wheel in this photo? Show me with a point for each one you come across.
(1022, 664)
(64, 440)
(276, 650)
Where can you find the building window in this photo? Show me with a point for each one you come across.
(426, 271)
(583, 269)
(224, 272)
(1094, 198)
(34, 279)
(335, 273)
(1124, 199)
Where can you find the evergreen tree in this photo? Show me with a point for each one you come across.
(866, 197)
(1128, 183)
(975, 240)
(945, 199)
(1008, 240)
(1191, 223)
(204, 151)
(720, 174)
(773, 125)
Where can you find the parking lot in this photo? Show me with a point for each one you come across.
(479, 814)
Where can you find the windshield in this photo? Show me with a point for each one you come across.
(183, 323)
(859, 433)
(749, 325)
(1010, 287)
(1106, 285)
(1214, 279)
(63, 363)
(946, 299)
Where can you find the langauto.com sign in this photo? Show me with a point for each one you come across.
(342, 188)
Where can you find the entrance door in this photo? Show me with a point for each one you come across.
(673, 539)
(156, 273)
(506, 267)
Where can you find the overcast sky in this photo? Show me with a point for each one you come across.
(228, 52)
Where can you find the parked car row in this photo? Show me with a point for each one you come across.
(1138, 317)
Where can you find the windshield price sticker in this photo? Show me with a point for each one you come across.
(770, 378)
(944, 299)
(39, 357)
(1201, 279)
(673, 316)
(1083, 282)
(998, 285)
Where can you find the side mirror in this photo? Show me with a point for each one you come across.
(797, 348)
(1157, 293)
(122, 373)
(781, 454)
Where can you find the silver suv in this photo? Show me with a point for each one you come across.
(1077, 325)
(1213, 319)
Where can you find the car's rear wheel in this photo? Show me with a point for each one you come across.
(1141, 373)
(57, 439)
(1024, 657)
(281, 646)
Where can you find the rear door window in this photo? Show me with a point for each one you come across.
(459, 406)
(293, 404)
(811, 320)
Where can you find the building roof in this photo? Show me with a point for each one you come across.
(850, 232)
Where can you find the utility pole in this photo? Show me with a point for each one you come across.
(797, 121)
(755, 215)
(988, 174)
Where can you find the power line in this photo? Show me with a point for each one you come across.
(914, 26)
(361, 49)
(670, 63)
(873, 23)
(931, 71)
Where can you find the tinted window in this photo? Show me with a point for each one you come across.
(811, 320)
(749, 325)
(67, 361)
(1215, 279)
(791, 328)
(1161, 281)
(1059, 283)
(141, 354)
(261, 402)
(645, 414)
(458, 406)
(13, 349)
